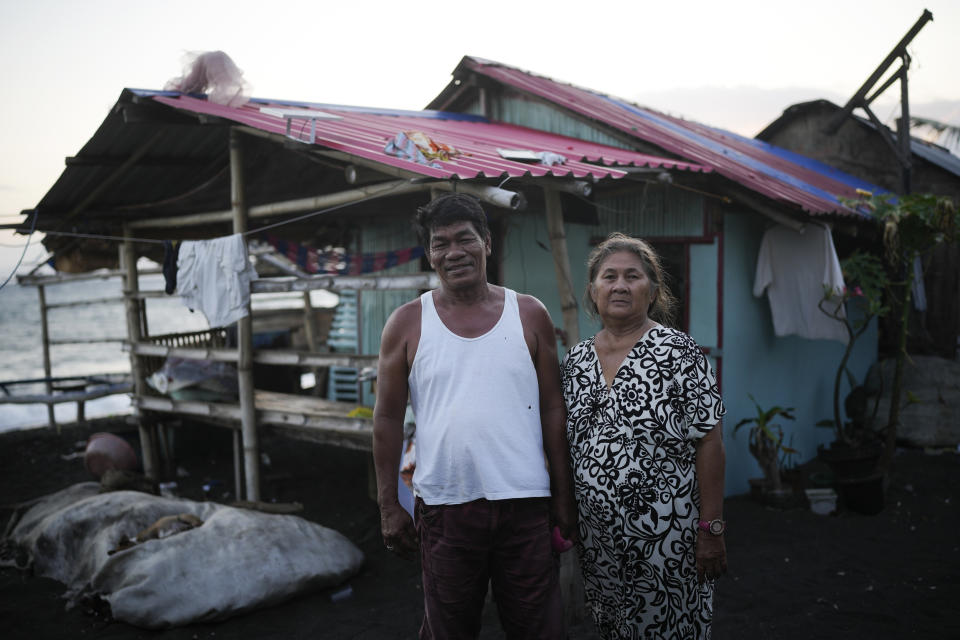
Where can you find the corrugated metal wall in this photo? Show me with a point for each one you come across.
(376, 306)
(544, 118)
(652, 211)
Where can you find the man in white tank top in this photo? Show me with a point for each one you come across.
(479, 363)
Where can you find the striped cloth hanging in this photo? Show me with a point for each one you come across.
(312, 260)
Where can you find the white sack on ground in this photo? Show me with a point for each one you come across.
(236, 561)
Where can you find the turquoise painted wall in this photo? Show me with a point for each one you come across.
(528, 265)
(376, 306)
(788, 371)
(704, 270)
(652, 212)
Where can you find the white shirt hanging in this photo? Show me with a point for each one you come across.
(214, 277)
(793, 267)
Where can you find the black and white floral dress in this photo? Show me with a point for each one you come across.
(633, 452)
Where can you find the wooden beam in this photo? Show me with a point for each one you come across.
(68, 396)
(858, 98)
(128, 260)
(260, 356)
(45, 339)
(78, 277)
(83, 303)
(561, 266)
(340, 283)
(87, 340)
(392, 188)
(115, 175)
(301, 417)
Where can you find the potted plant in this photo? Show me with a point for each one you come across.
(766, 442)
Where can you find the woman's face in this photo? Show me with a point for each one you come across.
(622, 290)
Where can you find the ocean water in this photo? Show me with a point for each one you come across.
(21, 346)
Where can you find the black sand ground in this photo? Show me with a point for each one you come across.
(793, 574)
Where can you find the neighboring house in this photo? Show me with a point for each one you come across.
(858, 148)
(557, 167)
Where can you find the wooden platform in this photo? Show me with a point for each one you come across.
(295, 416)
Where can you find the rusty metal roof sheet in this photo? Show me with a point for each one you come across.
(365, 132)
(761, 167)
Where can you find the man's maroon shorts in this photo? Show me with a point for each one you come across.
(506, 543)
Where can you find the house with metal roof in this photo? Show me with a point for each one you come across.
(709, 226)
(557, 167)
(333, 184)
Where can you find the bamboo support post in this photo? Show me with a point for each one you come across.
(45, 338)
(128, 260)
(248, 418)
(571, 586)
(561, 265)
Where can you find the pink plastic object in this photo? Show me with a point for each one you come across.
(106, 451)
(559, 543)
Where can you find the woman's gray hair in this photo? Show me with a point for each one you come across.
(662, 303)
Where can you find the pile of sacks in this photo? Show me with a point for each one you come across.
(162, 562)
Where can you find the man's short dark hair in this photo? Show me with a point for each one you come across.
(448, 209)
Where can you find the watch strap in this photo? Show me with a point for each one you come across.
(715, 527)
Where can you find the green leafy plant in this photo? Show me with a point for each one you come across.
(866, 281)
(911, 226)
(766, 441)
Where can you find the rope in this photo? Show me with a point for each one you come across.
(33, 226)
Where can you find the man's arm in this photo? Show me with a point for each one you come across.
(710, 464)
(553, 414)
(399, 534)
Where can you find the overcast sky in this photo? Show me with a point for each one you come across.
(734, 64)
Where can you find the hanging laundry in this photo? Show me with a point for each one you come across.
(340, 263)
(793, 268)
(171, 250)
(918, 292)
(214, 276)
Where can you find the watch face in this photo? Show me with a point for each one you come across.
(716, 527)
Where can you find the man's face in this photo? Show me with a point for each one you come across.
(458, 253)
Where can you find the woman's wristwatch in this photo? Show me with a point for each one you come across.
(714, 527)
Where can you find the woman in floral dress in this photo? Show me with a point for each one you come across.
(644, 432)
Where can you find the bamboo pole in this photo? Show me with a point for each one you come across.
(248, 417)
(561, 265)
(571, 585)
(260, 356)
(35, 280)
(128, 259)
(487, 193)
(45, 339)
(391, 188)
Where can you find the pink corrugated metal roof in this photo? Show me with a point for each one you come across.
(756, 165)
(365, 132)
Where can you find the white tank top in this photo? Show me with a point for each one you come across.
(477, 408)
